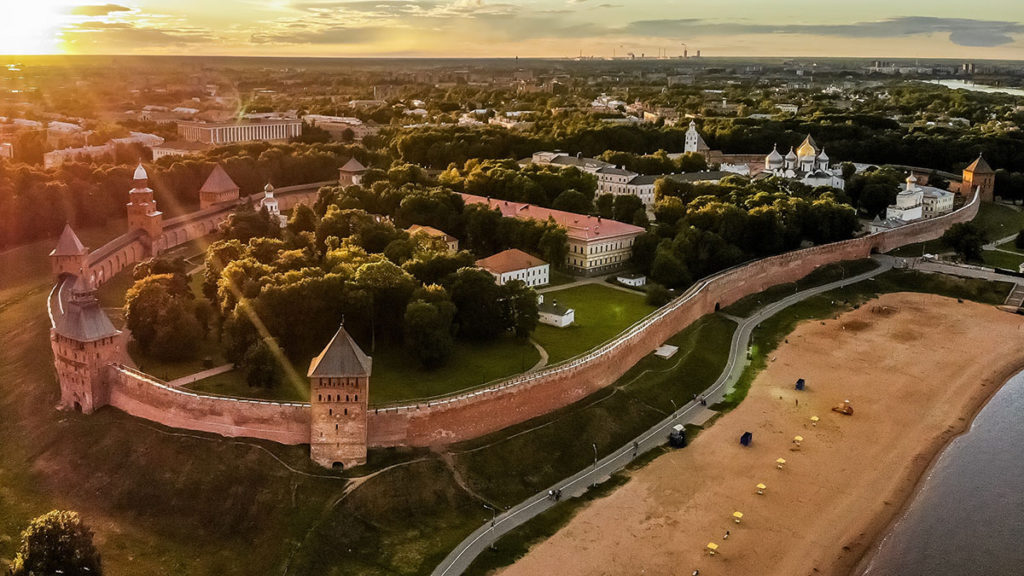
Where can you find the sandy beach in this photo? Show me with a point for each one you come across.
(916, 369)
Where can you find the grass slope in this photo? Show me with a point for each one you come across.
(397, 376)
(747, 305)
(173, 502)
(601, 313)
(507, 466)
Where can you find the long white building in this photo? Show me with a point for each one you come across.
(244, 131)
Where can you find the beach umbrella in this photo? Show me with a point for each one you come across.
(780, 463)
(737, 516)
(761, 488)
(814, 420)
(712, 548)
(798, 439)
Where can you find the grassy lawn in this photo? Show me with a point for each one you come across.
(208, 348)
(511, 464)
(602, 312)
(920, 249)
(233, 384)
(747, 305)
(999, 221)
(398, 377)
(557, 278)
(112, 293)
(999, 259)
(1010, 245)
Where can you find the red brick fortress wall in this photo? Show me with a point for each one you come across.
(519, 399)
(141, 395)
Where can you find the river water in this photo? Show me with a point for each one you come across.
(963, 85)
(968, 516)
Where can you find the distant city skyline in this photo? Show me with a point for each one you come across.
(505, 28)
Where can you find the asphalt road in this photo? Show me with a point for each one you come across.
(463, 555)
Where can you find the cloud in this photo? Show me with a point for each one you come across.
(130, 35)
(961, 31)
(329, 35)
(368, 7)
(98, 9)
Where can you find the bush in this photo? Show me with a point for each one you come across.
(658, 295)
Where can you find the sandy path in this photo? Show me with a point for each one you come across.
(908, 375)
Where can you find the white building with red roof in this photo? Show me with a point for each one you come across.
(516, 265)
(596, 245)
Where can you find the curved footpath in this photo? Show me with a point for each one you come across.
(463, 555)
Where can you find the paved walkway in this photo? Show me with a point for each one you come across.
(543, 356)
(186, 380)
(968, 271)
(692, 413)
(994, 245)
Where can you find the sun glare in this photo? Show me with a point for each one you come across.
(30, 27)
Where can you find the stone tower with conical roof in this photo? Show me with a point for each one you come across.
(340, 380)
(979, 175)
(69, 256)
(351, 173)
(84, 343)
(219, 188)
(142, 212)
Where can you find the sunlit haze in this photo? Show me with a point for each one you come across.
(529, 28)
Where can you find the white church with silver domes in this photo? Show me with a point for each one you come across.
(807, 164)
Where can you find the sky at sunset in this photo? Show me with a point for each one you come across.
(528, 28)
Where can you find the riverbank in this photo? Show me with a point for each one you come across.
(901, 362)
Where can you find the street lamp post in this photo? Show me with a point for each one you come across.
(595, 464)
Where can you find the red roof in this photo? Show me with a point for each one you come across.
(219, 181)
(509, 261)
(979, 166)
(68, 244)
(353, 166)
(432, 232)
(578, 226)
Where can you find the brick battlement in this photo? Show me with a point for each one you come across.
(91, 374)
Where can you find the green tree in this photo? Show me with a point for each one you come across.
(428, 332)
(605, 205)
(657, 295)
(262, 366)
(667, 269)
(476, 298)
(179, 332)
(966, 239)
(626, 207)
(573, 201)
(669, 210)
(145, 304)
(161, 314)
(303, 219)
(57, 543)
(519, 308)
(246, 223)
(554, 245)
